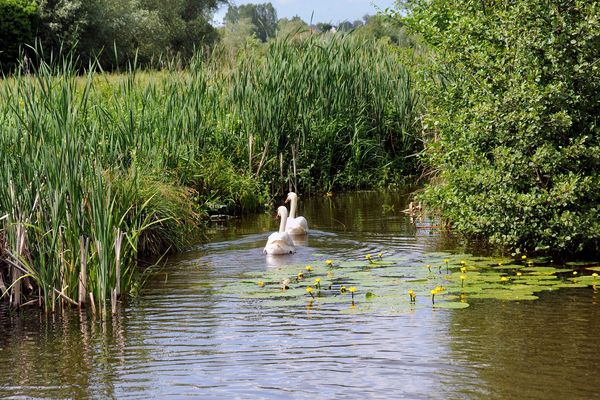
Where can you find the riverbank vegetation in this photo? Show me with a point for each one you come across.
(101, 170)
(511, 123)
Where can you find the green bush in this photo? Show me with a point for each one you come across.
(17, 20)
(512, 128)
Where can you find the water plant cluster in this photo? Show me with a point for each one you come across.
(101, 170)
(381, 284)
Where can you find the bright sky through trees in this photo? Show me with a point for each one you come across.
(332, 11)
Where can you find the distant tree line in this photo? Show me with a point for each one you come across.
(113, 31)
(256, 23)
(116, 32)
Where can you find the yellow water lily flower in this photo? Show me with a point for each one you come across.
(429, 267)
(329, 262)
(309, 290)
(352, 290)
(574, 272)
(503, 279)
(523, 257)
(368, 257)
(519, 273)
(412, 295)
(300, 275)
(343, 289)
(261, 283)
(594, 275)
(380, 255)
(463, 269)
(463, 277)
(318, 280)
(309, 268)
(446, 260)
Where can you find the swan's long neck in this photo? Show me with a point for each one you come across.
(283, 215)
(293, 207)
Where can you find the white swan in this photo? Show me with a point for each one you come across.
(280, 242)
(295, 225)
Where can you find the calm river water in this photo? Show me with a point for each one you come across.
(182, 338)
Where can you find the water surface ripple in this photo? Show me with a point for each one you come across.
(183, 338)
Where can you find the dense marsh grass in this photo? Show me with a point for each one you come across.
(99, 170)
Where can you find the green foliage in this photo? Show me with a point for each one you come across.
(392, 286)
(382, 26)
(325, 108)
(263, 18)
(17, 27)
(129, 163)
(120, 31)
(292, 28)
(512, 122)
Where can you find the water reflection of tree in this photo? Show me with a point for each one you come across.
(530, 350)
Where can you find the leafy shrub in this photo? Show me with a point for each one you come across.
(512, 122)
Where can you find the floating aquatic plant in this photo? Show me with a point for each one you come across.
(309, 290)
(385, 283)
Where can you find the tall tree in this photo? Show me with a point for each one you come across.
(145, 28)
(291, 27)
(263, 18)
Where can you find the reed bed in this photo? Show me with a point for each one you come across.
(99, 170)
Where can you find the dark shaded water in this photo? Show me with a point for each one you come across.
(182, 338)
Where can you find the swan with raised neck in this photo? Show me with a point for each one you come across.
(280, 242)
(295, 225)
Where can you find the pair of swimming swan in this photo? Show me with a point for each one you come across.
(281, 242)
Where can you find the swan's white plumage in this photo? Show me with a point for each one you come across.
(295, 225)
(280, 242)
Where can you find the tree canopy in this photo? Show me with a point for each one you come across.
(96, 28)
(262, 16)
(17, 24)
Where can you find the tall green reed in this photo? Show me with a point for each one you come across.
(100, 169)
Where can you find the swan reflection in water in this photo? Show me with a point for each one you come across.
(300, 240)
(278, 260)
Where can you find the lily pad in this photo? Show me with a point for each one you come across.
(509, 266)
(385, 283)
(546, 270)
(451, 304)
(579, 263)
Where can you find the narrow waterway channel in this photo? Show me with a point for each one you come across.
(183, 337)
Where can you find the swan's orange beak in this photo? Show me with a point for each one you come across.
(286, 200)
